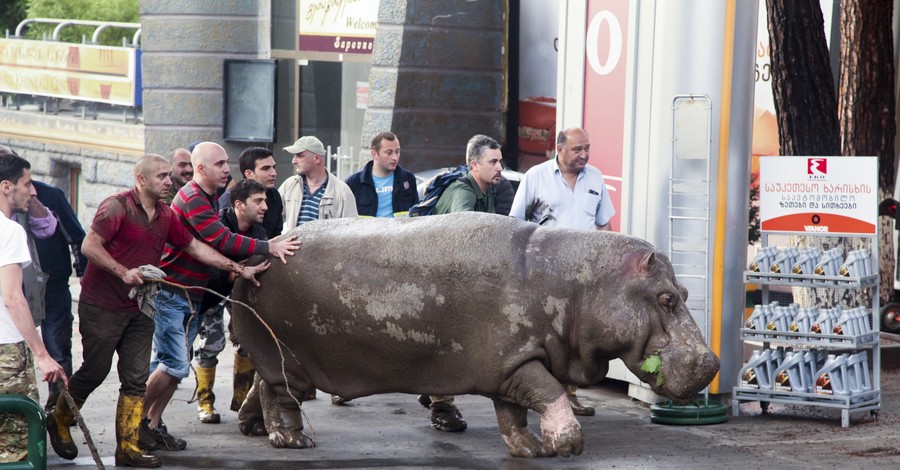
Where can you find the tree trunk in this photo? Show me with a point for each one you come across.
(802, 86)
(805, 104)
(867, 108)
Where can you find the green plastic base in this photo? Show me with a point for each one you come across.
(697, 413)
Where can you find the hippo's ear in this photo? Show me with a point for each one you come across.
(639, 264)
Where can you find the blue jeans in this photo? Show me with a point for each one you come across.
(171, 352)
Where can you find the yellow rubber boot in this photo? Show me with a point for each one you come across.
(243, 380)
(206, 411)
(58, 423)
(128, 425)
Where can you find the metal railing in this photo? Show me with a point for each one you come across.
(343, 165)
(62, 23)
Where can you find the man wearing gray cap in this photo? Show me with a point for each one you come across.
(313, 193)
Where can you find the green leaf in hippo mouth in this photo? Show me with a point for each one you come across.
(653, 365)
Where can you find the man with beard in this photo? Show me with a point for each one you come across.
(475, 191)
(20, 344)
(566, 192)
(129, 230)
(182, 171)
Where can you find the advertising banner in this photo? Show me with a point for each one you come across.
(343, 26)
(819, 194)
(84, 72)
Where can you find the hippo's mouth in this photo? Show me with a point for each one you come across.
(676, 378)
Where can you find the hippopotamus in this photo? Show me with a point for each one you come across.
(468, 303)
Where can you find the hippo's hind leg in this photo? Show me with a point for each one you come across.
(283, 419)
(532, 386)
(513, 422)
(250, 416)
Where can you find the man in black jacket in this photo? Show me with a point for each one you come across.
(383, 188)
(245, 215)
(55, 256)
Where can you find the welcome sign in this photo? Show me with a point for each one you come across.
(338, 26)
(819, 194)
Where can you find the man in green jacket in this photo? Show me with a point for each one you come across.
(472, 192)
(475, 191)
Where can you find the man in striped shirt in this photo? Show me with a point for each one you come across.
(314, 193)
(196, 206)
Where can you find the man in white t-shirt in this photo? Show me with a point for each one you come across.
(20, 344)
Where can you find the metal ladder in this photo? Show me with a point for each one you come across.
(689, 203)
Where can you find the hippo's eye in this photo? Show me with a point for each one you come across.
(667, 300)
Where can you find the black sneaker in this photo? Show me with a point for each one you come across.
(146, 437)
(165, 440)
(446, 417)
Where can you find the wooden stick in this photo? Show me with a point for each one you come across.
(81, 424)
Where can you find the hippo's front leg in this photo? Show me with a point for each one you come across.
(513, 422)
(283, 420)
(533, 387)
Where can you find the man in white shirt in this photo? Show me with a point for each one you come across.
(566, 192)
(20, 344)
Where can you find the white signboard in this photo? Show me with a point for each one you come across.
(346, 27)
(819, 194)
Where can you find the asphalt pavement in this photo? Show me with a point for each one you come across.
(392, 431)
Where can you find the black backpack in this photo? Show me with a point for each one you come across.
(436, 188)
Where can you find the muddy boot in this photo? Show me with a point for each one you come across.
(128, 426)
(425, 401)
(58, 428)
(206, 411)
(51, 402)
(250, 416)
(446, 417)
(243, 380)
(577, 407)
(309, 395)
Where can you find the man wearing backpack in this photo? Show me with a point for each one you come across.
(475, 190)
(383, 188)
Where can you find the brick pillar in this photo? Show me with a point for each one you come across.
(437, 77)
(184, 44)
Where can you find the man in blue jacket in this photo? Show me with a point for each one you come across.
(383, 188)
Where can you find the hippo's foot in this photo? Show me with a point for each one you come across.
(524, 443)
(290, 439)
(286, 430)
(560, 429)
(285, 426)
(252, 428)
(513, 423)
